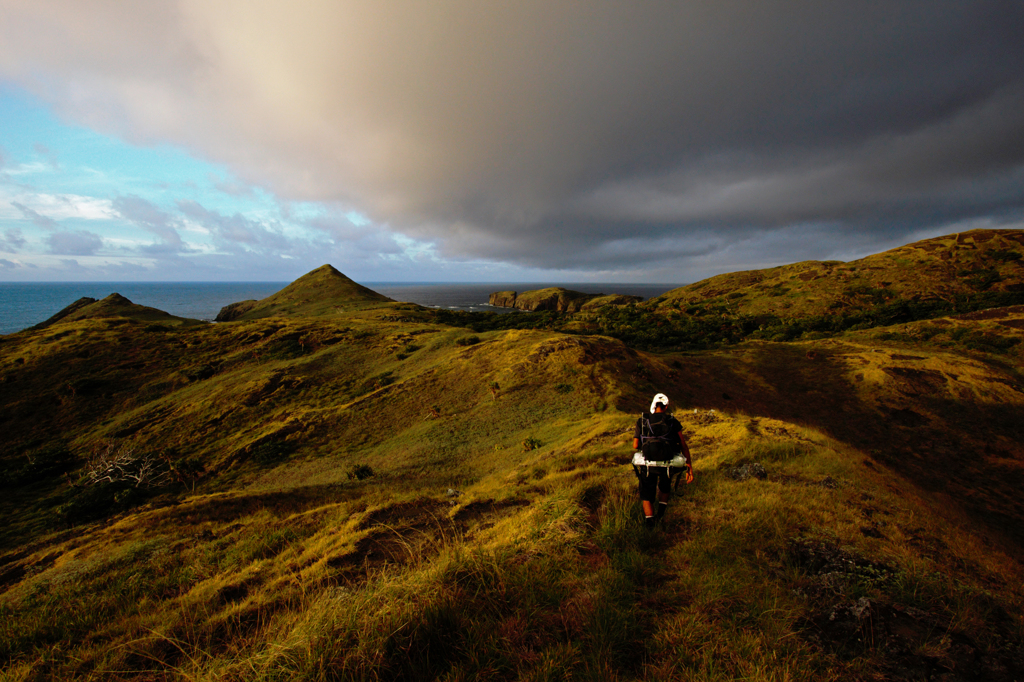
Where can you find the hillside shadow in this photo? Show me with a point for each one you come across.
(969, 451)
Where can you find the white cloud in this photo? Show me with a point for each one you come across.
(27, 169)
(54, 206)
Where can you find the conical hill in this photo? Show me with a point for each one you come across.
(114, 305)
(316, 294)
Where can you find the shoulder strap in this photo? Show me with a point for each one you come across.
(647, 431)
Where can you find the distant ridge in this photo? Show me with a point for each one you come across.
(316, 294)
(943, 269)
(114, 305)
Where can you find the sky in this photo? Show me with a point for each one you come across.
(439, 140)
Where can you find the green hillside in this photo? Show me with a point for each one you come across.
(322, 292)
(367, 493)
(114, 306)
(948, 269)
(935, 278)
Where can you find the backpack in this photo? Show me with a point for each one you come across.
(658, 440)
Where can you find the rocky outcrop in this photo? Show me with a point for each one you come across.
(553, 298)
(558, 299)
(503, 299)
(233, 311)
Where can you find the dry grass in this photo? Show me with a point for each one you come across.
(823, 494)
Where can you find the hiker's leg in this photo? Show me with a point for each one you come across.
(662, 505)
(664, 492)
(648, 481)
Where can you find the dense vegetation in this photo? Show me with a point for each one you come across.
(704, 327)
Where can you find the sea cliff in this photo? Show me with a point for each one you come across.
(558, 299)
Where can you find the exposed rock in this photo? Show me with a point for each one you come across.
(553, 298)
(909, 643)
(754, 470)
(503, 299)
(698, 417)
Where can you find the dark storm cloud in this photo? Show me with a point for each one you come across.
(562, 134)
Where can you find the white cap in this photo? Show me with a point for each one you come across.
(660, 398)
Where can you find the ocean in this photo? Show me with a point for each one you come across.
(23, 304)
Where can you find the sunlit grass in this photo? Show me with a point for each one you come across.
(467, 555)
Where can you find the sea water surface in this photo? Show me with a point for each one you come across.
(23, 304)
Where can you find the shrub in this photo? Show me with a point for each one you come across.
(1004, 255)
(361, 472)
(112, 481)
(408, 350)
(467, 341)
(45, 462)
(126, 465)
(374, 383)
(531, 443)
(187, 470)
(94, 502)
(199, 372)
(269, 452)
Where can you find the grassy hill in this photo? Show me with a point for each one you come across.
(114, 306)
(370, 494)
(322, 292)
(948, 270)
(935, 278)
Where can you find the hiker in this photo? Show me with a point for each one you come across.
(661, 448)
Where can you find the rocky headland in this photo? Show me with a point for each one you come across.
(558, 299)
